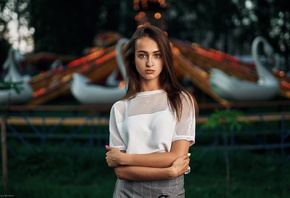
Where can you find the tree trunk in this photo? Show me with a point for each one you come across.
(226, 146)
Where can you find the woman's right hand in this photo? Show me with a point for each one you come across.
(113, 156)
(180, 165)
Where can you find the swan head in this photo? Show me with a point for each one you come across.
(267, 48)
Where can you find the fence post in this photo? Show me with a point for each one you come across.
(4, 152)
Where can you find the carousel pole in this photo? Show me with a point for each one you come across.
(4, 153)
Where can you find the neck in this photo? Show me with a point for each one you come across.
(150, 86)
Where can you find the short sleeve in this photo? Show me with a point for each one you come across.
(185, 127)
(116, 139)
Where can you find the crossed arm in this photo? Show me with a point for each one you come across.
(154, 166)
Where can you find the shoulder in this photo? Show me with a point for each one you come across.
(119, 106)
(186, 97)
(188, 100)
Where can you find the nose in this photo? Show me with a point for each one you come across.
(149, 62)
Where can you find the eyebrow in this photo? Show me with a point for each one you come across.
(141, 51)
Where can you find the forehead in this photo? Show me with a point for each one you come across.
(146, 44)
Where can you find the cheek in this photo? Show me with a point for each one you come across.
(138, 66)
(160, 66)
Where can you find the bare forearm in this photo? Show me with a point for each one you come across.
(139, 173)
(159, 160)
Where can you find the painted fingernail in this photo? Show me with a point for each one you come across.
(189, 154)
(106, 146)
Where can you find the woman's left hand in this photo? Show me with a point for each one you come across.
(113, 156)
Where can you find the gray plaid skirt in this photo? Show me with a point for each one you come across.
(150, 189)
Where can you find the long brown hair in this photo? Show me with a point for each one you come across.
(168, 80)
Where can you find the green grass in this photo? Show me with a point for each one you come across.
(252, 175)
(71, 173)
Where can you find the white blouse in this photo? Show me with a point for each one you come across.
(146, 124)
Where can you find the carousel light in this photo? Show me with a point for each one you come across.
(281, 73)
(137, 18)
(38, 92)
(195, 45)
(85, 67)
(144, 4)
(285, 84)
(136, 7)
(89, 57)
(122, 84)
(141, 14)
(157, 15)
(163, 5)
(139, 26)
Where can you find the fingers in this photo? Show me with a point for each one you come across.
(186, 165)
(108, 147)
(107, 159)
(182, 164)
(109, 162)
(186, 156)
(111, 156)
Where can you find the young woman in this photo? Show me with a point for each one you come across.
(153, 126)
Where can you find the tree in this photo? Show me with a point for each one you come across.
(4, 44)
(14, 13)
(206, 22)
(3, 19)
(267, 18)
(67, 27)
(280, 28)
(227, 121)
(64, 27)
(231, 25)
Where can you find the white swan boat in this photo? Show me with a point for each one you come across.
(90, 94)
(10, 96)
(235, 89)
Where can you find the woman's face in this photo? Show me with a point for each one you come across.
(148, 60)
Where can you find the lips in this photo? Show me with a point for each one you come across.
(149, 71)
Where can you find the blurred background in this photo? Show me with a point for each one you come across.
(68, 28)
(62, 69)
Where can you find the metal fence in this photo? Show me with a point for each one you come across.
(92, 130)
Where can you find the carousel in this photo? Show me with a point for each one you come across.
(100, 76)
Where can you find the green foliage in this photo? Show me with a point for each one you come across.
(11, 85)
(227, 120)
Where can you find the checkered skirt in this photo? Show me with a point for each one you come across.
(150, 189)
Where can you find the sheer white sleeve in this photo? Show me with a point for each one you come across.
(116, 139)
(185, 127)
